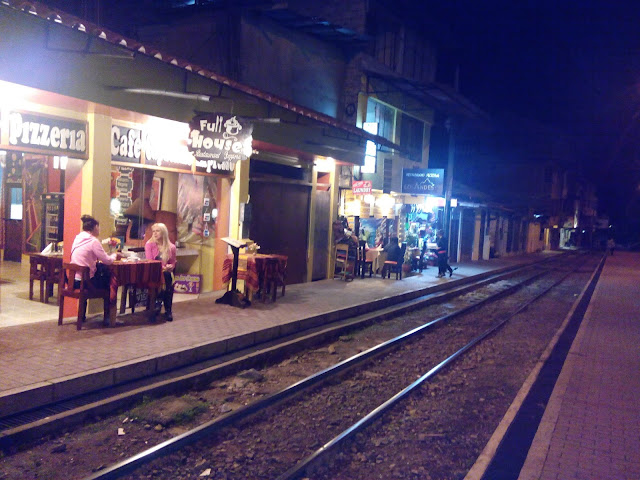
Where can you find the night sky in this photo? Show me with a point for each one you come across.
(572, 64)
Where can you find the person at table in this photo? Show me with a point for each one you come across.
(393, 250)
(87, 251)
(159, 247)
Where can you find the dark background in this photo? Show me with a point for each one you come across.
(573, 65)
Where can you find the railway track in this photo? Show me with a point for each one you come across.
(348, 387)
(33, 424)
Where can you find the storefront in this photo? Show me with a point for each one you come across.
(54, 165)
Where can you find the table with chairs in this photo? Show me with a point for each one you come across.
(134, 274)
(262, 274)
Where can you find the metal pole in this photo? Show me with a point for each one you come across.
(449, 124)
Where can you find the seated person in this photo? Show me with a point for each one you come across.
(86, 251)
(159, 247)
(393, 250)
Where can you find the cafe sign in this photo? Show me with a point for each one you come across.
(423, 181)
(361, 187)
(162, 144)
(48, 134)
(218, 141)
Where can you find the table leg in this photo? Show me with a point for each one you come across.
(153, 293)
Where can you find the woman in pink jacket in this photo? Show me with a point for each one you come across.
(158, 247)
(87, 251)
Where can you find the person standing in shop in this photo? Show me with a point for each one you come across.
(159, 247)
(443, 258)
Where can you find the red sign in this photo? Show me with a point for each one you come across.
(361, 187)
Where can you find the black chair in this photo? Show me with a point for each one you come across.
(395, 265)
(363, 263)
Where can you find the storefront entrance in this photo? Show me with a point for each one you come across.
(279, 223)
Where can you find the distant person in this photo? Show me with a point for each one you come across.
(159, 247)
(443, 257)
(86, 251)
(611, 245)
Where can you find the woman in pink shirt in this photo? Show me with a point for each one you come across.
(159, 247)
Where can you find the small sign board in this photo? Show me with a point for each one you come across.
(187, 283)
(361, 187)
(423, 181)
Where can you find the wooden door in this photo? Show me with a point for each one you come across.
(279, 223)
(321, 235)
(13, 223)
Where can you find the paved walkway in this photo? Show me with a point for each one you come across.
(42, 361)
(591, 426)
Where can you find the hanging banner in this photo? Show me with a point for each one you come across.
(218, 141)
(423, 181)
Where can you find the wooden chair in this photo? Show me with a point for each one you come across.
(394, 266)
(37, 272)
(53, 277)
(364, 265)
(276, 275)
(82, 294)
(342, 263)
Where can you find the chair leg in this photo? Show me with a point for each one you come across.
(133, 298)
(31, 289)
(82, 311)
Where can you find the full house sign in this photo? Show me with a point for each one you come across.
(218, 141)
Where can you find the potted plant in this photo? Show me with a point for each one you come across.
(406, 265)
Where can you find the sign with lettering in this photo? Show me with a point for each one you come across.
(423, 181)
(218, 141)
(361, 187)
(48, 134)
(126, 144)
(159, 144)
(187, 283)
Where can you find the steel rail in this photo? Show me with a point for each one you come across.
(128, 465)
(300, 468)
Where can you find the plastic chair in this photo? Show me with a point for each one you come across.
(37, 272)
(82, 294)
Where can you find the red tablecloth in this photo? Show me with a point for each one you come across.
(256, 270)
(142, 274)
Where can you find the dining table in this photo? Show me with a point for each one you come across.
(257, 270)
(135, 274)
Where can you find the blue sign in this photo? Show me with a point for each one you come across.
(423, 181)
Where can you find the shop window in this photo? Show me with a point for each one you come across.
(384, 116)
(411, 136)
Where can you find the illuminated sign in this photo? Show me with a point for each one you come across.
(48, 134)
(421, 181)
(361, 187)
(218, 141)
